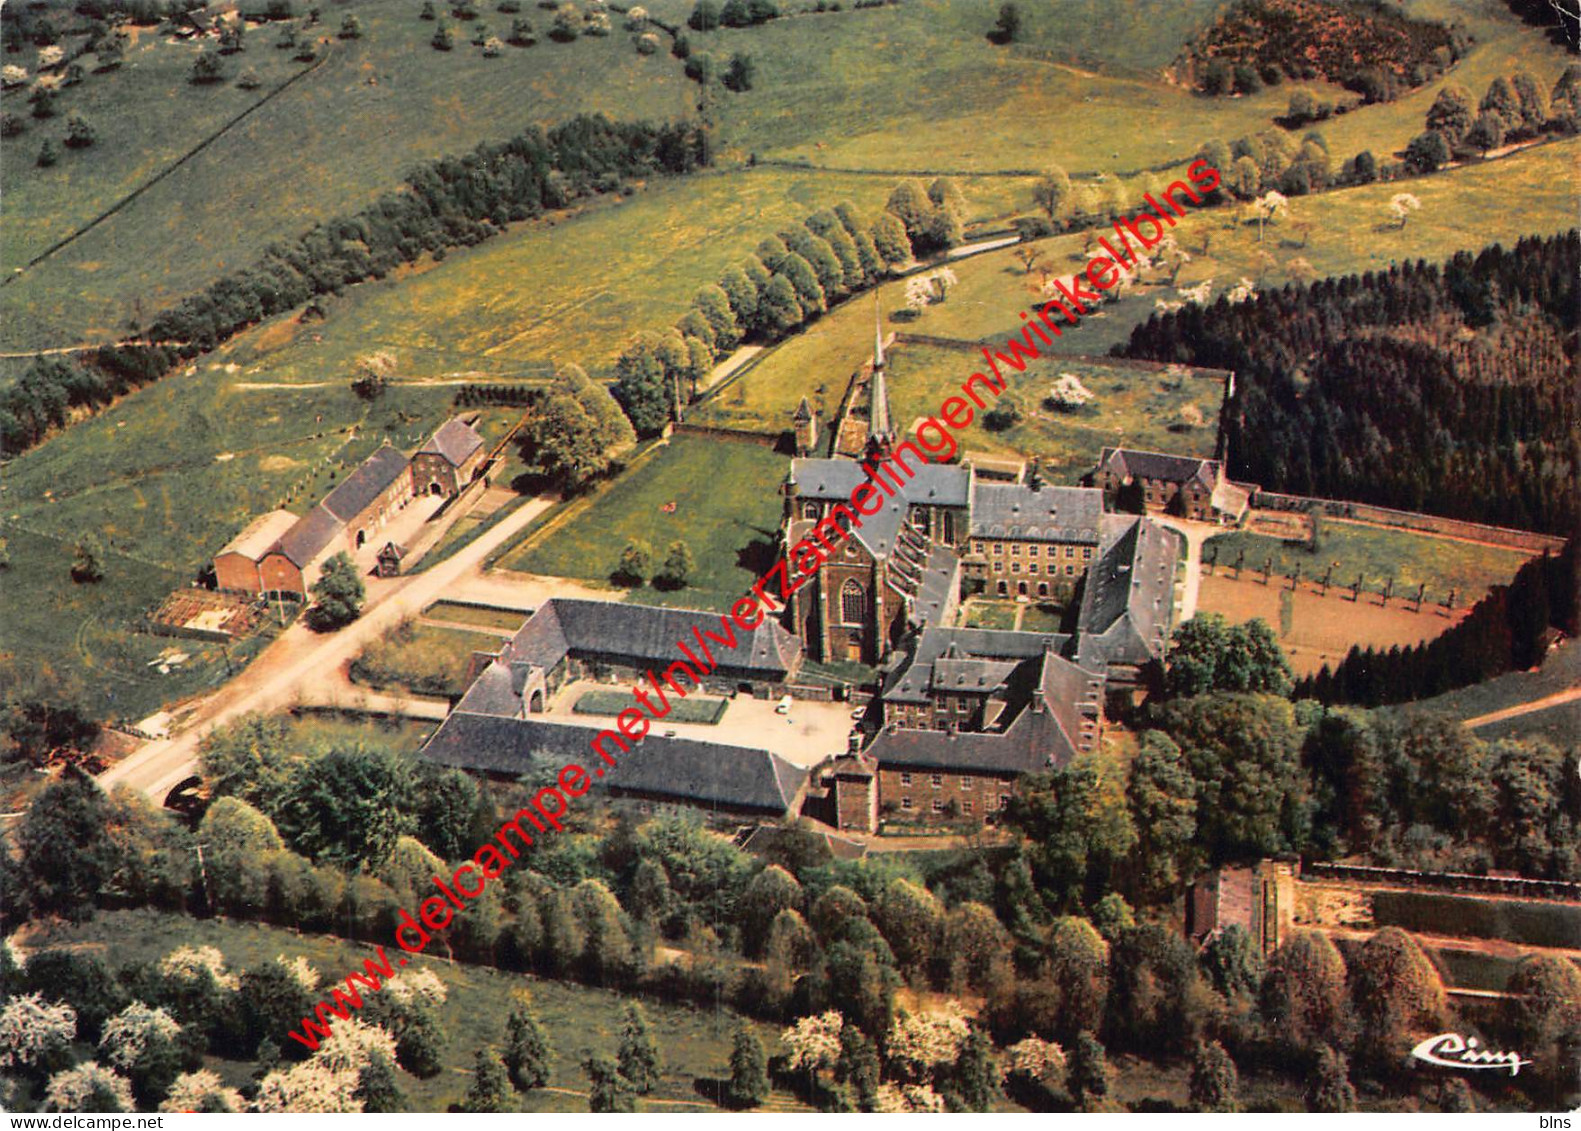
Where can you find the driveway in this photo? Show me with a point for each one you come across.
(1195, 534)
(301, 658)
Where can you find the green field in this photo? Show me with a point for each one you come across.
(601, 702)
(471, 614)
(727, 511)
(1375, 553)
(694, 1043)
(421, 659)
(989, 614)
(327, 146)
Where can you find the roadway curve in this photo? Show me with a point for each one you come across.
(301, 658)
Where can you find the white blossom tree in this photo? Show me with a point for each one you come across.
(814, 1041)
(311, 1086)
(893, 1098)
(1401, 205)
(1035, 1059)
(1068, 393)
(1173, 257)
(918, 294)
(127, 1035)
(301, 971)
(942, 281)
(1270, 206)
(50, 56)
(1241, 291)
(71, 1090)
(192, 1089)
(32, 1029)
(12, 75)
(921, 1043)
(420, 985)
(1167, 306)
(186, 965)
(352, 1045)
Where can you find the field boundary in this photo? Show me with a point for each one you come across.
(1368, 513)
(162, 174)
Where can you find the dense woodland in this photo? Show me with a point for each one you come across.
(1065, 932)
(1369, 46)
(1445, 389)
(452, 202)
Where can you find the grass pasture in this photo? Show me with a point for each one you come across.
(727, 511)
(694, 1043)
(421, 659)
(455, 613)
(328, 146)
(1410, 558)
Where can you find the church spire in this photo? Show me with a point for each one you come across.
(880, 431)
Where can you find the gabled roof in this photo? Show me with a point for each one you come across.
(833, 480)
(306, 540)
(1054, 514)
(454, 442)
(1128, 598)
(259, 536)
(683, 769)
(1046, 733)
(910, 680)
(803, 412)
(649, 634)
(1130, 462)
(371, 479)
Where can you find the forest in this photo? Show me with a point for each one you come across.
(1447, 389)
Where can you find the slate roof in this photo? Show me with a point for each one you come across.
(1129, 462)
(371, 479)
(648, 635)
(939, 581)
(1129, 596)
(909, 681)
(833, 480)
(1053, 514)
(259, 536)
(1046, 733)
(685, 769)
(455, 441)
(304, 542)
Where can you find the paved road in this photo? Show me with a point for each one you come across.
(274, 681)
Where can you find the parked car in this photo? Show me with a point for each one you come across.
(784, 705)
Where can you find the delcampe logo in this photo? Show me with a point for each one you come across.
(1451, 1050)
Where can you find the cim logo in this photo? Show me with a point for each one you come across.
(1451, 1050)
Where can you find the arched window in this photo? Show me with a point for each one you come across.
(809, 510)
(853, 604)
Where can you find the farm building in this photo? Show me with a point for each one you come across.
(237, 565)
(370, 495)
(449, 460)
(1182, 485)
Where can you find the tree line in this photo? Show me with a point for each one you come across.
(1515, 108)
(1326, 405)
(791, 278)
(450, 202)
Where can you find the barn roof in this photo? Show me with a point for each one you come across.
(1053, 514)
(307, 539)
(371, 479)
(259, 536)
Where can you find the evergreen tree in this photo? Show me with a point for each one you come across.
(749, 1079)
(677, 568)
(638, 1058)
(608, 1091)
(488, 1093)
(1213, 1079)
(1087, 1074)
(975, 1078)
(1328, 1086)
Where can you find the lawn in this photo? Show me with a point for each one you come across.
(693, 1043)
(1377, 554)
(727, 511)
(990, 614)
(602, 702)
(421, 659)
(327, 146)
(472, 614)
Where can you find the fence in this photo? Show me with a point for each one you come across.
(1411, 520)
(1447, 881)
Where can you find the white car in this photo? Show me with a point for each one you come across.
(783, 706)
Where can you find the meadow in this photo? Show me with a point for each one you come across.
(1376, 554)
(727, 510)
(329, 145)
(421, 659)
(694, 1044)
(604, 702)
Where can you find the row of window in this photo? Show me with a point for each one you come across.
(978, 547)
(937, 780)
(966, 806)
(1032, 567)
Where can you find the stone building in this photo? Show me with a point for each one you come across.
(1178, 485)
(449, 461)
(370, 496)
(237, 567)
